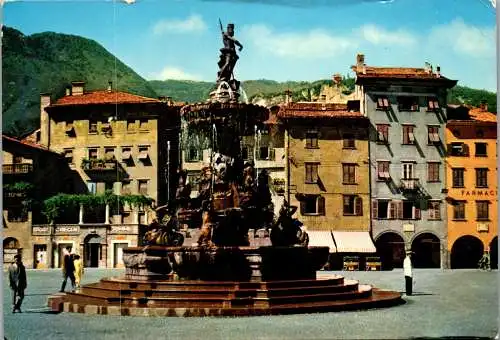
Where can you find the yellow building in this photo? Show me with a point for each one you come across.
(115, 141)
(471, 136)
(328, 174)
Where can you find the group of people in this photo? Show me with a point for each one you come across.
(72, 268)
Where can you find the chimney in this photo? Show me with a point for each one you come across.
(77, 88)
(288, 97)
(428, 67)
(169, 101)
(44, 119)
(110, 86)
(438, 71)
(484, 105)
(360, 61)
(364, 68)
(68, 91)
(162, 99)
(337, 79)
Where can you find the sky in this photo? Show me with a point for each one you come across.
(282, 39)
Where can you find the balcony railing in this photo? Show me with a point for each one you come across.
(99, 164)
(22, 168)
(409, 184)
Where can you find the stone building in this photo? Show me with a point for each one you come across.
(327, 172)
(115, 141)
(471, 181)
(31, 173)
(407, 112)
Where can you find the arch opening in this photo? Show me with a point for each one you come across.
(391, 249)
(426, 250)
(466, 252)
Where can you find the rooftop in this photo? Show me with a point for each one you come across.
(26, 143)
(472, 114)
(316, 110)
(104, 97)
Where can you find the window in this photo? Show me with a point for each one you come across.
(68, 155)
(108, 186)
(349, 173)
(311, 172)
(349, 141)
(312, 205)
(382, 133)
(70, 129)
(109, 153)
(432, 104)
(481, 149)
(459, 210)
(263, 152)
(458, 177)
(311, 140)
(130, 125)
(93, 153)
(92, 126)
(17, 214)
(458, 149)
(408, 103)
(434, 209)
(408, 172)
(408, 137)
(143, 187)
(382, 103)
(383, 170)
(143, 124)
(433, 171)
(127, 155)
(143, 154)
(433, 135)
(126, 188)
(193, 155)
(17, 159)
(92, 187)
(381, 209)
(353, 205)
(481, 177)
(482, 210)
(244, 153)
(411, 210)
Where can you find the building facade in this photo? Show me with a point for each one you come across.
(114, 141)
(407, 112)
(31, 173)
(471, 137)
(327, 172)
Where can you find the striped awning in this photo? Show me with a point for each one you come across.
(353, 242)
(321, 239)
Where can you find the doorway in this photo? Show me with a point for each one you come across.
(92, 250)
(40, 258)
(118, 254)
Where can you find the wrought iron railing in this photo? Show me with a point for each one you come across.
(22, 168)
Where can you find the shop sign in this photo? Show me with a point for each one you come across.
(45, 230)
(67, 230)
(121, 229)
(480, 193)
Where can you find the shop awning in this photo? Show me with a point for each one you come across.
(353, 242)
(321, 239)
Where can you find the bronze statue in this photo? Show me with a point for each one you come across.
(228, 57)
(286, 230)
(164, 233)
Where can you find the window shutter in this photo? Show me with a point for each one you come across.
(392, 213)
(437, 211)
(374, 209)
(448, 149)
(272, 154)
(430, 210)
(302, 207)
(321, 205)
(465, 149)
(358, 206)
(417, 210)
(399, 209)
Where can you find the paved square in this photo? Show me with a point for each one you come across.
(446, 303)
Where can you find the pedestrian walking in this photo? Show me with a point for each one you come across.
(18, 283)
(77, 262)
(407, 267)
(68, 270)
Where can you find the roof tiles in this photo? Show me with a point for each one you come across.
(317, 110)
(104, 97)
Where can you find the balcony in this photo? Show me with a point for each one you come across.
(102, 169)
(17, 169)
(409, 185)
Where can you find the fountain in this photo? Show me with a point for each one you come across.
(222, 274)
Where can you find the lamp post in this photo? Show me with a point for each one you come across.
(168, 171)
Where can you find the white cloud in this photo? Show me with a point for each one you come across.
(379, 36)
(311, 44)
(464, 39)
(194, 23)
(170, 72)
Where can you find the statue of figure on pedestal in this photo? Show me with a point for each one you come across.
(228, 58)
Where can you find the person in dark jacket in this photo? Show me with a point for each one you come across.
(68, 270)
(18, 283)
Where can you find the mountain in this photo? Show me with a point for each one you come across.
(48, 62)
(466, 95)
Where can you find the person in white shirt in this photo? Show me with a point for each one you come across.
(407, 267)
